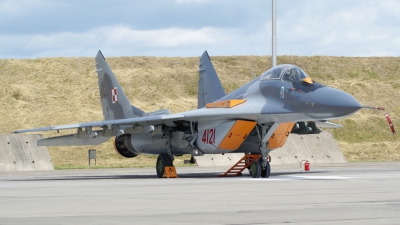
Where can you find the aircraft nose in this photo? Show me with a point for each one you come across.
(335, 103)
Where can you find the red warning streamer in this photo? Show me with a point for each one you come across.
(390, 123)
(387, 118)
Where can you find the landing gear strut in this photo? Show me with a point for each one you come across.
(263, 161)
(265, 168)
(164, 166)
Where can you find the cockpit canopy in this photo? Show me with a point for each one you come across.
(287, 73)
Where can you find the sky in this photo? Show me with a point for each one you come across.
(181, 28)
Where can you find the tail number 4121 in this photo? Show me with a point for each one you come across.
(208, 136)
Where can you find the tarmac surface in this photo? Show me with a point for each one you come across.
(352, 193)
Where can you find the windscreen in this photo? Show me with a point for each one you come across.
(273, 73)
(287, 73)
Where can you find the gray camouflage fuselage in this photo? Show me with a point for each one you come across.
(282, 94)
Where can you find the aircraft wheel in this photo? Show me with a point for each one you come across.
(267, 171)
(255, 169)
(163, 160)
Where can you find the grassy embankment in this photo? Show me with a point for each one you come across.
(52, 91)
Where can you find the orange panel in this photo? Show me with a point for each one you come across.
(280, 135)
(225, 104)
(308, 80)
(237, 134)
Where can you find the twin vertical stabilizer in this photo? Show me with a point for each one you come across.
(210, 88)
(114, 102)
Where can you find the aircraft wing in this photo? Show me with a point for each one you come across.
(239, 112)
(136, 120)
(88, 135)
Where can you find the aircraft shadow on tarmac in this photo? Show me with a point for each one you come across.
(154, 176)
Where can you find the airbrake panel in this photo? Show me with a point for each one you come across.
(280, 135)
(237, 135)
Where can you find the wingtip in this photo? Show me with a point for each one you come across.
(206, 54)
(99, 53)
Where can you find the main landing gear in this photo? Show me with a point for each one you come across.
(163, 161)
(164, 167)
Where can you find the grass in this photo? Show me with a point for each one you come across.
(52, 91)
(141, 162)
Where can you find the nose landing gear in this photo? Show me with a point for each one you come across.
(257, 170)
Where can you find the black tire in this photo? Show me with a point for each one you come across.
(255, 169)
(163, 160)
(265, 173)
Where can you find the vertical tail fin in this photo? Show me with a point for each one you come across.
(210, 88)
(114, 102)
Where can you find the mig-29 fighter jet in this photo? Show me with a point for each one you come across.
(254, 119)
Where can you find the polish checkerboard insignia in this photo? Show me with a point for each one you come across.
(114, 95)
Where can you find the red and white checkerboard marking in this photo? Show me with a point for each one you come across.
(114, 95)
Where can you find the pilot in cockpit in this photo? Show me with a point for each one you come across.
(291, 75)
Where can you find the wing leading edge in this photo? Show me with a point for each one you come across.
(129, 121)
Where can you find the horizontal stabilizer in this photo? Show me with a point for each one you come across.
(159, 112)
(71, 140)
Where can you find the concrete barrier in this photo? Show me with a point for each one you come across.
(227, 159)
(20, 153)
(7, 159)
(316, 148)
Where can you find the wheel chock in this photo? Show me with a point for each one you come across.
(170, 172)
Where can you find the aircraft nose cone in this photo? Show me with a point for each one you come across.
(336, 98)
(335, 102)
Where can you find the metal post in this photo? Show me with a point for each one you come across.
(273, 33)
(92, 155)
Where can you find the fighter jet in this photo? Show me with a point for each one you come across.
(254, 119)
